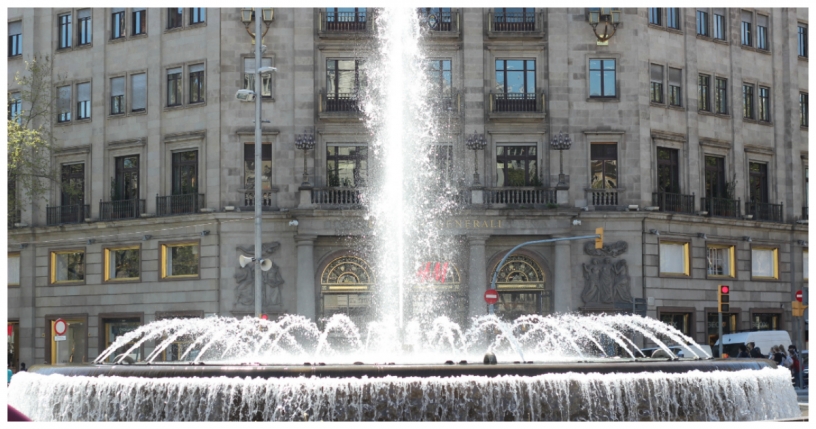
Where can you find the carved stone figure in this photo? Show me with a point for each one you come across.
(271, 280)
(606, 281)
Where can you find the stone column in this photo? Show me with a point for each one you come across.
(477, 277)
(562, 271)
(306, 299)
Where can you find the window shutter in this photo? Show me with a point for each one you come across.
(137, 9)
(762, 21)
(176, 70)
(64, 98)
(138, 86)
(675, 77)
(196, 68)
(14, 270)
(15, 28)
(747, 16)
(83, 13)
(657, 73)
(117, 10)
(84, 92)
(717, 11)
(117, 86)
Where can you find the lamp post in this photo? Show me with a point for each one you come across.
(476, 142)
(305, 142)
(561, 142)
(609, 16)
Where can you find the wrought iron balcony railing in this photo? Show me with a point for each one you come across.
(671, 202)
(602, 197)
(338, 197)
(517, 102)
(179, 204)
(249, 198)
(720, 207)
(342, 102)
(514, 22)
(441, 22)
(60, 215)
(520, 196)
(122, 209)
(764, 211)
(345, 22)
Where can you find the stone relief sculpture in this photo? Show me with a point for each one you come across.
(606, 281)
(271, 280)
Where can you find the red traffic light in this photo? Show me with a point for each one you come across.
(723, 289)
(264, 317)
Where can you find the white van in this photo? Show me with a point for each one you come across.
(686, 351)
(762, 339)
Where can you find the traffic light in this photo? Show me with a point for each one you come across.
(798, 309)
(599, 238)
(722, 298)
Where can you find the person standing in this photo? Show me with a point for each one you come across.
(756, 353)
(743, 351)
(22, 367)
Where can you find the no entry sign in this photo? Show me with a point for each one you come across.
(491, 296)
(799, 295)
(60, 327)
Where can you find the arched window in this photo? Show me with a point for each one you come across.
(438, 291)
(345, 287)
(523, 289)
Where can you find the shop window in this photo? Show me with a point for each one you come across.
(523, 289)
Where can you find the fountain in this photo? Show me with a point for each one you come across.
(406, 364)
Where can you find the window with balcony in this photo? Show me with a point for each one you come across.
(802, 46)
(704, 92)
(803, 109)
(122, 263)
(720, 261)
(719, 24)
(514, 19)
(138, 21)
(515, 86)
(117, 100)
(249, 76)
(179, 260)
(758, 182)
(174, 87)
(656, 84)
(249, 166)
(126, 182)
(72, 208)
(174, 17)
(748, 101)
(14, 269)
(745, 34)
(15, 107)
(604, 165)
(668, 170)
(83, 101)
(721, 96)
(345, 80)
(435, 18)
(198, 15)
(762, 32)
(655, 16)
(715, 177)
(674, 258)
(346, 166)
(64, 29)
(673, 17)
(764, 263)
(67, 266)
(346, 18)
(439, 76)
(117, 23)
(185, 172)
(675, 87)
(516, 166)
(764, 104)
(197, 87)
(64, 103)
(602, 78)
(15, 40)
(702, 23)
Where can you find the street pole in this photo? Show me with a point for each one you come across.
(719, 322)
(258, 172)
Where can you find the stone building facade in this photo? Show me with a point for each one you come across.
(689, 147)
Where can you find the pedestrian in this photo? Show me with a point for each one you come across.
(743, 351)
(10, 373)
(756, 353)
(777, 357)
(22, 367)
(797, 364)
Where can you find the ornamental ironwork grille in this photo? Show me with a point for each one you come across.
(346, 273)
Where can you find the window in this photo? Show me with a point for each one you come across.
(14, 269)
(138, 92)
(117, 23)
(117, 327)
(198, 15)
(715, 177)
(122, 263)
(435, 18)
(72, 186)
(674, 258)
(748, 101)
(721, 96)
(757, 182)
(15, 44)
(117, 102)
(249, 165)
(673, 17)
(75, 347)
(656, 84)
(439, 75)
(185, 172)
(64, 31)
(197, 88)
(804, 265)
(604, 165)
(249, 76)
(179, 260)
(15, 107)
(523, 289)
(514, 19)
(729, 325)
(720, 261)
(602, 78)
(719, 24)
(174, 86)
(764, 104)
(702, 23)
(668, 170)
(174, 17)
(64, 103)
(515, 83)
(764, 263)
(703, 93)
(126, 182)
(67, 266)
(654, 16)
(345, 18)
(803, 109)
(516, 166)
(84, 101)
(84, 36)
(762, 32)
(344, 80)
(139, 23)
(347, 166)
(765, 321)
(679, 321)
(675, 85)
(747, 18)
(803, 41)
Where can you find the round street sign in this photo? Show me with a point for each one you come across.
(491, 296)
(799, 295)
(60, 327)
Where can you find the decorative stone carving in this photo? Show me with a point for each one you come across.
(606, 281)
(271, 280)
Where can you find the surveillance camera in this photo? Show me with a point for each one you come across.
(267, 70)
(293, 222)
(245, 95)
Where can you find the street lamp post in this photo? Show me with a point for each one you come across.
(561, 142)
(305, 142)
(476, 142)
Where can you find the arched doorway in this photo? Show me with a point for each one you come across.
(523, 289)
(438, 291)
(345, 287)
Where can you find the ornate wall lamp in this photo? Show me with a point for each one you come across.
(248, 15)
(305, 142)
(607, 16)
(476, 142)
(561, 142)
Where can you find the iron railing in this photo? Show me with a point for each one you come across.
(720, 207)
(517, 102)
(513, 21)
(764, 211)
(341, 197)
(341, 102)
(179, 204)
(344, 22)
(804, 213)
(520, 196)
(671, 202)
(603, 197)
(445, 21)
(122, 209)
(249, 198)
(75, 213)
